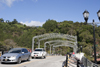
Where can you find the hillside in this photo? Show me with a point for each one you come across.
(15, 34)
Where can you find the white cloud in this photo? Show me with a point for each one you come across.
(8, 2)
(33, 23)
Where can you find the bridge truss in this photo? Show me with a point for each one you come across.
(70, 40)
(57, 43)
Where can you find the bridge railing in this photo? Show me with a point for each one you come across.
(69, 62)
(72, 62)
(75, 62)
(88, 63)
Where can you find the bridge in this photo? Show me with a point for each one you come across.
(63, 40)
(68, 40)
(56, 40)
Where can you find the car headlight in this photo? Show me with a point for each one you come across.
(13, 57)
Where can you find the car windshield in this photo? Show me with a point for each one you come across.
(38, 49)
(15, 51)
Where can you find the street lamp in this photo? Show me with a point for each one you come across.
(98, 13)
(86, 15)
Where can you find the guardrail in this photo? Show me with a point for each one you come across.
(88, 63)
(69, 62)
(75, 62)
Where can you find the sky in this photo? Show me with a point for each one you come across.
(36, 12)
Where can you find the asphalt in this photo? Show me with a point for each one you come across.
(50, 61)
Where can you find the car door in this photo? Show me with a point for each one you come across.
(26, 54)
(23, 54)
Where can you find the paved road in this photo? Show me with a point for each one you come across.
(50, 61)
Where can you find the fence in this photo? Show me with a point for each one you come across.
(88, 63)
(74, 62)
(69, 62)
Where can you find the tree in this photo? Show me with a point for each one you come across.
(88, 50)
(1, 20)
(71, 32)
(50, 25)
(7, 21)
(86, 37)
(14, 21)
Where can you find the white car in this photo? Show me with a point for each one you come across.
(38, 52)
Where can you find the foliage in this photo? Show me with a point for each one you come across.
(21, 35)
(50, 25)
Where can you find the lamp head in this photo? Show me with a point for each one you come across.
(98, 13)
(86, 15)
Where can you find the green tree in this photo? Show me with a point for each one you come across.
(14, 21)
(7, 21)
(86, 37)
(50, 25)
(1, 20)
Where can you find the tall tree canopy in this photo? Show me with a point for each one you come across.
(50, 25)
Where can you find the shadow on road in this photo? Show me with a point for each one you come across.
(38, 58)
(14, 63)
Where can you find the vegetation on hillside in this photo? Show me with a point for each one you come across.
(15, 34)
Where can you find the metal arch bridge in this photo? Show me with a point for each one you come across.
(53, 35)
(57, 43)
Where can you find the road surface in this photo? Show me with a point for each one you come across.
(50, 61)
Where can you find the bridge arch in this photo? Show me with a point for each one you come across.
(56, 43)
(53, 35)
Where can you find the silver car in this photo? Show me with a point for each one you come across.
(16, 55)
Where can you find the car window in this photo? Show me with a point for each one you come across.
(15, 51)
(38, 49)
(23, 50)
(26, 51)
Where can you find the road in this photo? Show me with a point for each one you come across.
(50, 61)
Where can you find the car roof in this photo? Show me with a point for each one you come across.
(39, 48)
(19, 48)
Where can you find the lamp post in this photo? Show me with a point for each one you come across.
(98, 13)
(86, 15)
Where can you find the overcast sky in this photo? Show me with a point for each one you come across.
(36, 12)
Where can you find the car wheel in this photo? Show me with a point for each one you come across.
(32, 57)
(44, 57)
(19, 61)
(28, 58)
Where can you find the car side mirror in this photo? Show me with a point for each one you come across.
(22, 52)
